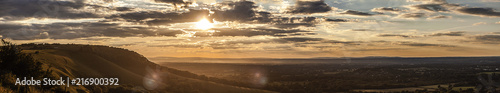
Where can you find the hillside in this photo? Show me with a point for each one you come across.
(135, 72)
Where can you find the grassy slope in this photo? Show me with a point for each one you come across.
(77, 61)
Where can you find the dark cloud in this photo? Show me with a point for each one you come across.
(358, 13)
(241, 11)
(393, 35)
(67, 31)
(309, 7)
(412, 15)
(175, 2)
(431, 7)
(123, 9)
(336, 41)
(432, 1)
(386, 9)
(161, 17)
(6, 27)
(424, 44)
(442, 5)
(20, 9)
(102, 28)
(457, 33)
(336, 20)
(488, 39)
(479, 11)
(300, 39)
(293, 25)
(263, 17)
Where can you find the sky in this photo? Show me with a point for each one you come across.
(261, 28)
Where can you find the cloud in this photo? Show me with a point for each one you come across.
(442, 5)
(358, 13)
(293, 25)
(394, 35)
(361, 30)
(488, 39)
(490, 12)
(5, 27)
(240, 11)
(20, 9)
(237, 44)
(123, 9)
(490, 0)
(424, 44)
(386, 9)
(293, 22)
(336, 20)
(451, 33)
(80, 30)
(440, 17)
(309, 7)
(114, 29)
(249, 32)
(431, 1)
(456, 33)
(431, 7)
(294, 40)
(175, 2)
(300, 39)
(178, 46)
(479, 23)
(412, 15)
(161, 17)
(336, 41)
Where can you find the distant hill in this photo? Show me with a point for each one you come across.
(331, 60)
(135, 72)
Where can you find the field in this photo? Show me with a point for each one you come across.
(355, 74)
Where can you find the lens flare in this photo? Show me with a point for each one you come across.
(204, 24)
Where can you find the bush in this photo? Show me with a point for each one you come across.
(14, 63)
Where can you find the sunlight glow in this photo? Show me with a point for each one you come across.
(204, 24)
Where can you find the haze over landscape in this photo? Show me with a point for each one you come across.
(261, 28)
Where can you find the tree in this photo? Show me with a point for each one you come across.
(12, 60)
(14, 63)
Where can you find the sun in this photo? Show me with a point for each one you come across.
(204, 24)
